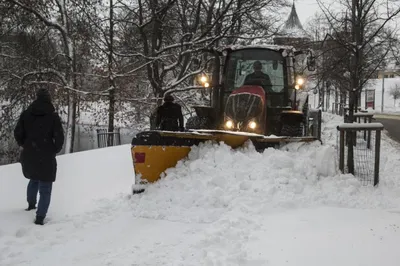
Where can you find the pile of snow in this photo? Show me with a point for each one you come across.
(287, 206)
(217, 180)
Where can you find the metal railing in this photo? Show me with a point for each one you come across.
(366, 157)
(314, 123)
(107, 139)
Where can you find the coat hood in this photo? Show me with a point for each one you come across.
(41, 107)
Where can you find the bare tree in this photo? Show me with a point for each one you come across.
(366, 44)
(24, 47)
(318, 27)
(395, 93)
(64, 23)
(67, 79)
(174, 33)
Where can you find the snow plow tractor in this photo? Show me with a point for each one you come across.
(256, 95)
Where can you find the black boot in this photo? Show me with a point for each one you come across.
(31, 207)
(39, 220)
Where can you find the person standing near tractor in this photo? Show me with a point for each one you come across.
(40, 134)
(169, 115)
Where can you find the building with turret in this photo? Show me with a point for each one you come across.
(292, 32)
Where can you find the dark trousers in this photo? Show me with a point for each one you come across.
(44, 189)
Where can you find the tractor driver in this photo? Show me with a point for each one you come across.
(169, 115)
(259, 78)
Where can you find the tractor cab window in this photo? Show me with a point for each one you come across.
(255, 67)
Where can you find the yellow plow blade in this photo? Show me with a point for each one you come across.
(153, 152)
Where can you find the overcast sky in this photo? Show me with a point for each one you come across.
(306, 9)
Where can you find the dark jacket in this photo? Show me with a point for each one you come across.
(259, 78)
(39, 132)
(169, 117)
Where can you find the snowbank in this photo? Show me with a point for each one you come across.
(217, 180)
(218, 207)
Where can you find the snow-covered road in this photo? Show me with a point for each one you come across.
(219, 207)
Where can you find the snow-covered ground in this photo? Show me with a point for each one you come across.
(219, 207)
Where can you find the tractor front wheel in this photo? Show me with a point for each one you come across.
(292, 130)
(196, 122)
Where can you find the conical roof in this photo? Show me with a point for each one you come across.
(292, 27)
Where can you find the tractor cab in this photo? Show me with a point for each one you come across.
(256, 82)
(258, 67)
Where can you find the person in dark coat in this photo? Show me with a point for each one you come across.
(169, 115)
(40, 134)
(259, 78)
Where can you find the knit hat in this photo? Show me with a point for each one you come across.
(168, 98)
(43, 94)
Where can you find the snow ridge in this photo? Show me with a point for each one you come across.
(216, 180)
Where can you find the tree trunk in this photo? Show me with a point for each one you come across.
(328, 98)
(138, 114)
(355, 66)
(336, 100)
(322, 97)
(69, 50)
(72, 101)
(71, 121)
(350, 135)
(111, 110)
(111, 115)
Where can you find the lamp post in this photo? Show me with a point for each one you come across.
(383, 92)
(296, 87)
(299, 83)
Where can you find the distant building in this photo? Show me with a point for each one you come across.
(391, 70)
(293, 33)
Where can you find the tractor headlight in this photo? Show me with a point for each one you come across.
(204, 81)
(299, 81)
(252, 125)
(229, 124)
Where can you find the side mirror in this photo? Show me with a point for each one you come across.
(311, 63)
(196, 62)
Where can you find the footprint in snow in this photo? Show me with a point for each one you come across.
(21, 232)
